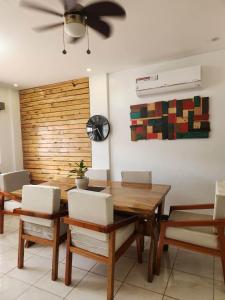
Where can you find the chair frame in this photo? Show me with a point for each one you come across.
(113, 255)
(3, 212)
(218, 224)
(57, 240)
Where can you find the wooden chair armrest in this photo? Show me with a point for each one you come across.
(194, 223)
(98, 227)
(84, 224)
(190, 207)
(41, 215)
(11, 196)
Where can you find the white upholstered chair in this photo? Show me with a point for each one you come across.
(98, 174)
(10, 182)
(144, 177)
(95, 233)
(40, 221)
(194, 231)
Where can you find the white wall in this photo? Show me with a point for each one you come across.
(11, 157)
(99, 106)
(190, 166)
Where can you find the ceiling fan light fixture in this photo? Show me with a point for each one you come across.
(75, 25)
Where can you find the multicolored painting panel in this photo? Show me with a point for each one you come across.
(175, 119)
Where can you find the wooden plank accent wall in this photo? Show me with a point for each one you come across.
(53, 121)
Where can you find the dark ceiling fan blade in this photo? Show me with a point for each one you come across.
(100, 26)
(40, 8)
(69, 4)
(73, 40)
(104, 9)
(48, 27)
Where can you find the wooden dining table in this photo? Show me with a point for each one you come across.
(127, 197)
(141, 199)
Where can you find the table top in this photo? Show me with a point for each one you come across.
(129, 197)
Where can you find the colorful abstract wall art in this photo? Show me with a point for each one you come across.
(175, 119)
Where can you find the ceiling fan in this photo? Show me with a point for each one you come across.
(76, 18)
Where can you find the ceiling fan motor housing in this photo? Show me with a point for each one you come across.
(75, 24)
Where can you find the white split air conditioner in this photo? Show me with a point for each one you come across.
(170, 81)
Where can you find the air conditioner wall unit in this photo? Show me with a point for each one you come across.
(181, 79)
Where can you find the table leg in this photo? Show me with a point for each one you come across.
(160, 213)
(153, 248)
(160, 210)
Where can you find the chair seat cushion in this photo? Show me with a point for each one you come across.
(98, 243)
(10, 205)
(42, 231)
(201, 236)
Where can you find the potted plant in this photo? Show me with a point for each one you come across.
(80, 170)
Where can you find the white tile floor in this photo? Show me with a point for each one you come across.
(184, 275)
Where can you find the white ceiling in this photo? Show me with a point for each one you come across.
(155, 30)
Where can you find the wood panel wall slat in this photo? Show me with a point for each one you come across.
(53, 122)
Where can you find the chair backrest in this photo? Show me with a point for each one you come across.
(98, 174)
(219, 207)
(13, 181)
(45, 199)
(136, 177)
(91, 206)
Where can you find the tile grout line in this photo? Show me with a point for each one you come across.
(87, 273)
(132, 285)
(76, 285)
(164, 294)
(144, 289)
(29, 285)
(193, 274)
(72, 287)
(90, 271)
(25, 260)
(123, 281)
(47, 291)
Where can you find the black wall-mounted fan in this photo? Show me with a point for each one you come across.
(76, 18)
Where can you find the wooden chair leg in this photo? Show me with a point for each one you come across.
(138, 241)
(223, 266)
(1, 224)
(142, 240)
(153, 231)
(55, 257)
(69, 259)
(160, 249)
(21, 247)
(111, 267)
(151, 262)
(221, 242)
(1, 215)
(139, 249)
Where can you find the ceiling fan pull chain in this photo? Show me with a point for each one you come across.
(64, 44)
(88, 50)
